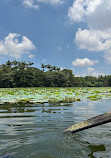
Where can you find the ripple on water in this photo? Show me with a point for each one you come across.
(30, 131)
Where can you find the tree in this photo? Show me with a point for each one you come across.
(6, 79)
(42, 66)
(109, 81)
(30, 63)
(22, 74)
(70, 76)
(56, 79)
(9, 63)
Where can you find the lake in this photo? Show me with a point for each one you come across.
(37, 130)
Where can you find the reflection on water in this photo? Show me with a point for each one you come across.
(36, 131)
(96, 148)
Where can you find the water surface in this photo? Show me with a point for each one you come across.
(36, 130)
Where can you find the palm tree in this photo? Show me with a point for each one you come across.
(48, 67)
(8, 63)
(15, 62)
(30, 63)
(42, 66)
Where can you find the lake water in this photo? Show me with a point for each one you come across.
(36, 130)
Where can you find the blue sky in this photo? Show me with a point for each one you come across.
(66, 33)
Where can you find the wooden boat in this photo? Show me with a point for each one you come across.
(92, 122)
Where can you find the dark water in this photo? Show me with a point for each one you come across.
(36, 131)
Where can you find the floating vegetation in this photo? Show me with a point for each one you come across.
(97, 92)
(92, 96)
(23, 100)
(93, 99)
(52, 95)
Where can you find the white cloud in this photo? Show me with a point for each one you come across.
(84, 62)
(107, 56)
(77, 11)
(35, 3)
(93, 40)
(96, 74)
(30, 4)
(89, 72)
(31, 56)
(97, 15)
(43, 60)
(12, 47)
(62, 68)
(90, 69)
(92, 72)
(50, 1)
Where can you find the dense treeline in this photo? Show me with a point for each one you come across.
(23, 74)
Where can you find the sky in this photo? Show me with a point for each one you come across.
(73, 34)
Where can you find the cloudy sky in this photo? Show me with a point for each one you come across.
(74, 34)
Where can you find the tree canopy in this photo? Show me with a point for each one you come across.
(23, 74)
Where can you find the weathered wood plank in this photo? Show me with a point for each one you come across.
(92, 122)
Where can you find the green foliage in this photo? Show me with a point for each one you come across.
(56, 79)
(23, 74)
